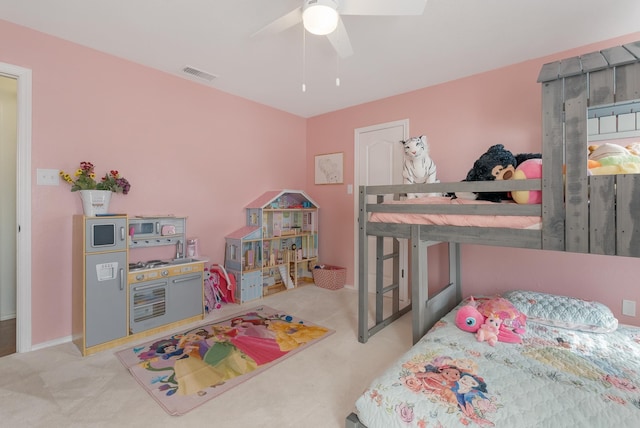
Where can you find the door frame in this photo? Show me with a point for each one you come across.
(356, 180)
(23, 204)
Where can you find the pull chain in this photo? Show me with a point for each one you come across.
(338, 59)
(304, 59)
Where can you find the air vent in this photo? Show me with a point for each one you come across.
(199, 73)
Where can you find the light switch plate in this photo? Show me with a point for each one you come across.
(48, 177)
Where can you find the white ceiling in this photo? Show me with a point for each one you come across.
(393, 55)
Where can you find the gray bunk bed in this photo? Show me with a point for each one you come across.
(579, 213)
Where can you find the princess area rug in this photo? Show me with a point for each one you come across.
(185, 370)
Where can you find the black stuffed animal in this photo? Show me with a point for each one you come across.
(497, 163)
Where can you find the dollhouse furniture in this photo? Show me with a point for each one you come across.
(580, 212)
(277, 249)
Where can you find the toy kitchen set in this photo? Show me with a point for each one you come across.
(118, 295)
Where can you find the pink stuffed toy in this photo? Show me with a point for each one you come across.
(489, 330)
(468, 318)
(531, 168)
(489, 317)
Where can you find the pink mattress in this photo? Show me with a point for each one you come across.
(506, 221)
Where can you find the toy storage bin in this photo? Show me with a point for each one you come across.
(330, 277)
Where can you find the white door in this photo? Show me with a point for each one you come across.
(378, 160)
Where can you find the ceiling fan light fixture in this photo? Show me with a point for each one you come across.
(320, 17)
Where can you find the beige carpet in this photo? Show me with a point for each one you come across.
(56, 386)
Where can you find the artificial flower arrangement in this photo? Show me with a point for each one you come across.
(85, 179)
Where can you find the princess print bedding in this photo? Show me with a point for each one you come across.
(558, 377)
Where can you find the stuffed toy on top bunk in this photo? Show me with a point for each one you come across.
(418, 167)
(497, 163)
(615, 159)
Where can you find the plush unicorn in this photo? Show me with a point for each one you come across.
(489, 317)
(489, 330)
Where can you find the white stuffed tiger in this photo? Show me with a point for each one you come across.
(418, 167)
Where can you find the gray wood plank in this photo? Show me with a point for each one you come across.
(352, 421)
(379, 315)
(601, 87)
(507, 209)
(570, 67)
(458, 186)
(602, 235)
(395, 274)
(628, 222)
(593, 61)
(419, 290)
(519, 238)
(363, 269)
(633, 48)
(628, 82)
(398, 230)
(553, 211)
(501, 237)
(576, 198)
(618, 55)
(549, 72)
(454, 269)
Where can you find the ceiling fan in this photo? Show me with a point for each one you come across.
(322, 17)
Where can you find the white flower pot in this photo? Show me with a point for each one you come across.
(95, 202)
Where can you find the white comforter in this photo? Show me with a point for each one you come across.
(556, 378)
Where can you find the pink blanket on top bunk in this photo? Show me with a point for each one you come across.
(506, 221)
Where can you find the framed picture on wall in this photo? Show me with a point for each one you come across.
(329, 168)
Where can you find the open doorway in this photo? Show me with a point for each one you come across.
(8, 187)
(20, 230)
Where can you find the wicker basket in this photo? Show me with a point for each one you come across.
(330, 277)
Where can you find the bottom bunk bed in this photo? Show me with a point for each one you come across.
(431, 221)
(573, 368)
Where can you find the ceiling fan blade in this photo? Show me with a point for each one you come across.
(286, 21)
(382, 7)
(340, 40)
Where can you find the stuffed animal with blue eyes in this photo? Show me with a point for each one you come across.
(492, 314)
(417, 166)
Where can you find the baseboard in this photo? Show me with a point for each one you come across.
(5, 317)
(50, 343)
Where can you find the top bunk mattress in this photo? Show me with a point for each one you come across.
(504, 221)
(558, 377)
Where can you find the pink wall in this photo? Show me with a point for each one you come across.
(462, 119)
(180, 144)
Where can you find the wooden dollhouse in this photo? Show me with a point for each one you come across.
(277, 249)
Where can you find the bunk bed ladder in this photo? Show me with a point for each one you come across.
(382, 290)
(380, 322)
